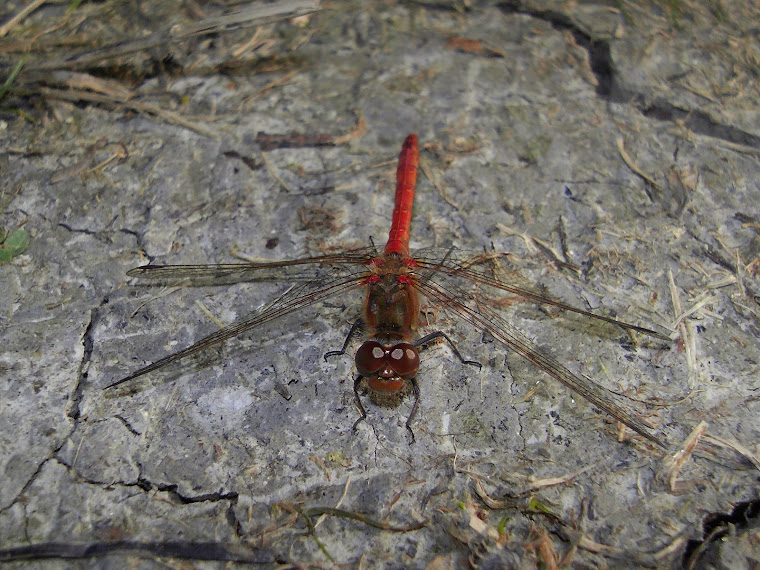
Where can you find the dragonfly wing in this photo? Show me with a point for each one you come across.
(446, 293)
(454, 262)
(292, 300)
(307, 269)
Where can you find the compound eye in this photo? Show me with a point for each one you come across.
(370, 358)
(404, 360)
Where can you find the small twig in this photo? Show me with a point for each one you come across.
(209, 314)
(248, 16)
(168, 116)
(82, 166)
(11, 78)
(699, 304)
(315, 511)
(629, 162)
(356, 133)
(338, 503)
(739, 448)
(252, 14)
(672, 465)
(250, 45)
(291, 140)
(530, 242)
(736, 147)
(5, 202)
(313, 534)
(670, 549)
(76, 80)
(433, 177)
(553, 481)
(273, 174)
(282, 80)
(299, 140)
(539, 541)
(25, 11)
(163, 293)
(684, 327)
(533, 487)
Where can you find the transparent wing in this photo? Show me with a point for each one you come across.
(297, 298)
(440, 287)
(307, 269)
(456, 263)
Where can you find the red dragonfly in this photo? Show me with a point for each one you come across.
(388, 362)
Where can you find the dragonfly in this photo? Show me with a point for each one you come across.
(393, 281)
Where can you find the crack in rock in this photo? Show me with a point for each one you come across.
(612, 88)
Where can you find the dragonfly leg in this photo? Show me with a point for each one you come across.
(439, 334)
(360, 407)
(416, 390)
(358, 325)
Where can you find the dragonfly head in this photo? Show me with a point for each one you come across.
(387, 368)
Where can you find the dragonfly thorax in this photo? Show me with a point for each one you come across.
(392, 304)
